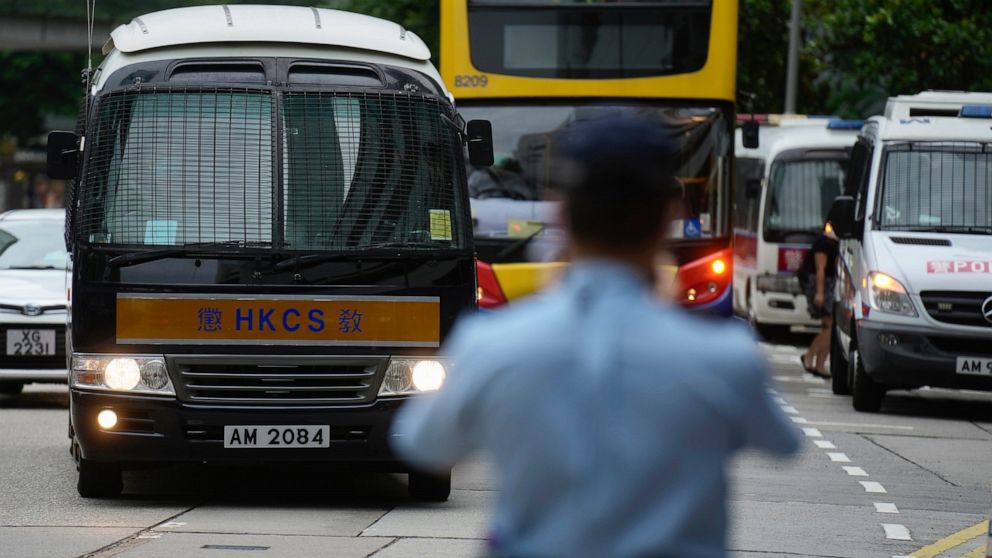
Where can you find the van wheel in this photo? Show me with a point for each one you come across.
(11, 388)
(429, 488)
(838, 366)
(868, 393)
(99, 480)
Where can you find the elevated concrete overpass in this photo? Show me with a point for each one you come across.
(42, 33)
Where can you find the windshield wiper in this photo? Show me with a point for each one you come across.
(359, 252)
(150, 255)
(32, 267)
(959, 229)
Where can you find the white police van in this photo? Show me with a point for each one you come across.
(785, 187)
(914, 300)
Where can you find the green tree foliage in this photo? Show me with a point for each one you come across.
(868, 50)
(763, 40)
(35, 84)
(856, 53)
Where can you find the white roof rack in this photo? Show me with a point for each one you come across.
(933, 104)
(267, 24)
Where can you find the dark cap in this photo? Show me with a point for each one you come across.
(618, 155)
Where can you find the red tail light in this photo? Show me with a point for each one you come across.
(489, 294)
(704, 280)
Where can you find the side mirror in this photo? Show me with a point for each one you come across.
(841, 216)
(752, 188)
(63, 155)
(480, 143)
(749, 134)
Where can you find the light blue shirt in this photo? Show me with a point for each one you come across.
(609, 417)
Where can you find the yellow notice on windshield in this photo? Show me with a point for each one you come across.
(401, 321)
(440, 224)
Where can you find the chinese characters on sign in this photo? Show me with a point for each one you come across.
(790, 258)
(209, 319)
(350, 321)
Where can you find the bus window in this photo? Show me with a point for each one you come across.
(589, 41)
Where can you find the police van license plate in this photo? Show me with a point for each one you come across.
(277, 436)
(974, 366)
(30, 342)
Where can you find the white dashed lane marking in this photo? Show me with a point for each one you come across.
(896, 532)
(885, 507)
(893, 531)
(873, 487)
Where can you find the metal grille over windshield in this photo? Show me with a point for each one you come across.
(174, 168)
(337, 171)
(937, 186)
(364, 170)
(801, 193)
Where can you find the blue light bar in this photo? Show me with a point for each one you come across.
(976, 111)
(845, 124)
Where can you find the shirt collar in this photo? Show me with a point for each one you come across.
(603, 273)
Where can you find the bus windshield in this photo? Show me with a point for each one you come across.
(335, 171)
(938, 187)
(800, 193)
(517, 186)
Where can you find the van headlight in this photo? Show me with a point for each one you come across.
(406, 376)
(886, 294)
(121, 373)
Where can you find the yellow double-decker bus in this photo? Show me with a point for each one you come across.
(534, 67)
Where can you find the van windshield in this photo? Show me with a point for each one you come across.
(937, 187)
(800, 193)
(333, 171)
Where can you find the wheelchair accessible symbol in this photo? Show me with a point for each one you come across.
(691, 228)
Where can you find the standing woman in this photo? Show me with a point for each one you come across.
(820, 299)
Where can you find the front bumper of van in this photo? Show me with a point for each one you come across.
(157, 430)
(781, 308)
(905, 356)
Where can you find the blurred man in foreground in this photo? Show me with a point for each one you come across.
(609, 415)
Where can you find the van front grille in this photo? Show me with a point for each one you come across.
(956, 307)
(962, 346)
(276, 381)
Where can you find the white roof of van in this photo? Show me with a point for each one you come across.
(267, 24)
(801, 134)
(933, 116)
(928, 103)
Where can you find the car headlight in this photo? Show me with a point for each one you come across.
(121, 373)
(406, 376)
(778, 284)
(886, 294)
